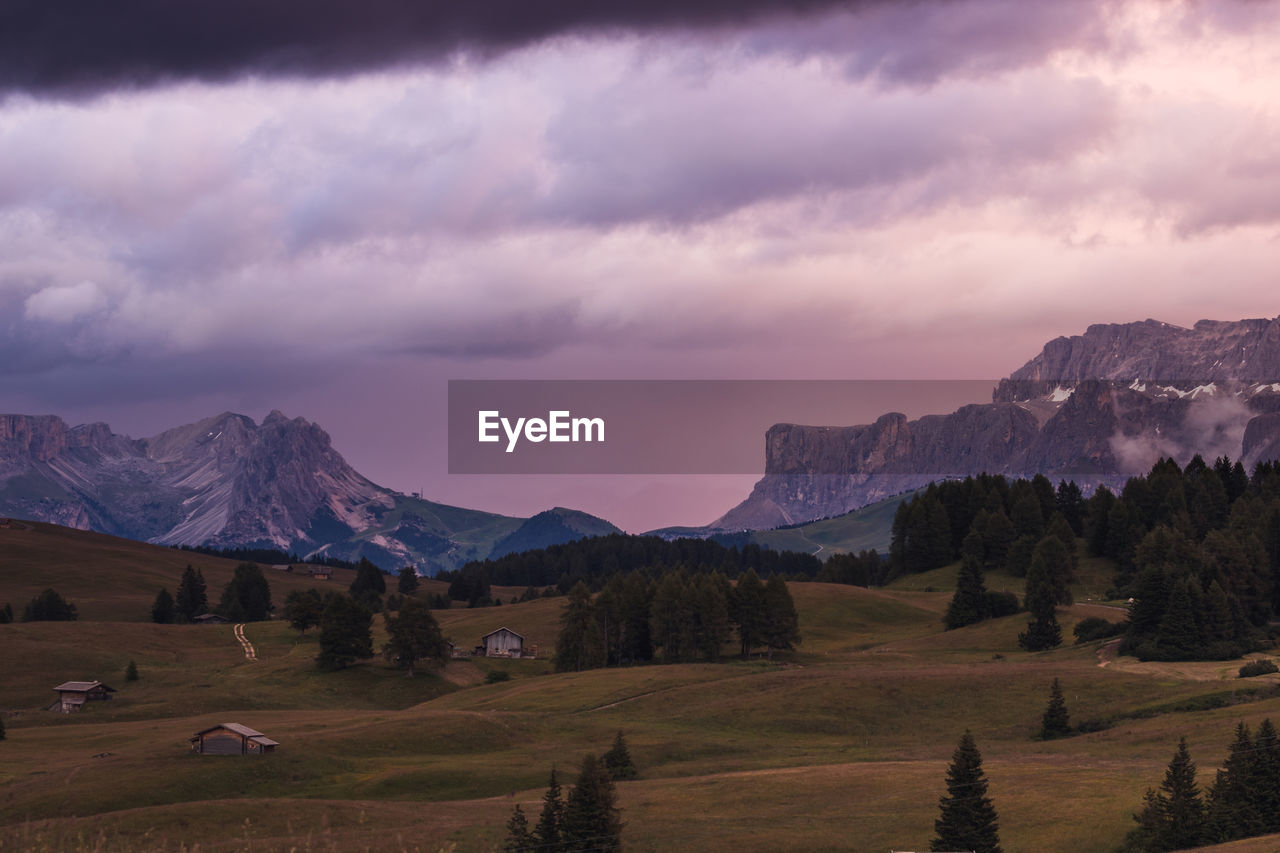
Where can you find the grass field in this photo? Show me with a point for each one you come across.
(842, 745)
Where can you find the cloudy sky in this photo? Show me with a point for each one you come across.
(333, 208)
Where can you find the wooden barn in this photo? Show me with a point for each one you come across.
(73, 694)
(321, 573)
(211, 619)
(231, 739)
(503, 643)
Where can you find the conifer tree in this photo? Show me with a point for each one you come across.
(344, 633)
(1232, 806)
(1183, 807)
(711, 608)
(1043, 631)
(618, 760)
(580, 644)
(1056, 722)
(519, 838)
(131, 672)
(548, 833)
(162, 609)
(1179, 636)
(1266, 755)
(781, 622)
(303, 609)
(1057, 567)
(968, 819)
(247, 596)
(1, 728)
(968, 605)
(407, 584)
(192, 599)
(414, 635)
(591, 816)
(748, 609)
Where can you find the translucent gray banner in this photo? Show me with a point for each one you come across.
(682, 426)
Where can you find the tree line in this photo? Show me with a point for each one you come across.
(1242, 801)
(1197, 549)
(674, 616)
(595, 560)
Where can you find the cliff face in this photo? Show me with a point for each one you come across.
(1095, 407)
(227, 481)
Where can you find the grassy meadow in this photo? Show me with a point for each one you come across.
(842, 745)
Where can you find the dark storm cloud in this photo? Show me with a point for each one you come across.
(88, 45)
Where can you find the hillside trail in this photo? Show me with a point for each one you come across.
(1107, 651)
(249, 651)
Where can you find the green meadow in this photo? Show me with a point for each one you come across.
(842, 745)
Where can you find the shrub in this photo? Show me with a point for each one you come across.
(999, 604)
(496, 675)
(1096, 628)
(1262, 666)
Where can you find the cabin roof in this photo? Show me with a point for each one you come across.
(245, 731)
(499, 631)
(82, 687)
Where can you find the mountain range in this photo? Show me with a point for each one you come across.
(1096, 408)
(227, 481)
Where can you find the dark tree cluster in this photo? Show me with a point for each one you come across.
(49, 606)
(597, 559)
(192, 600)
(1198, 551)
(368, 586)
(345, 635)
(1242, 802)
(677, 616)
(588, 819)
(247, 596)
(266, 556)
(6, 614)
(865, 568)
(1010, 518)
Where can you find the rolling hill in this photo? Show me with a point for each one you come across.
(840, 746)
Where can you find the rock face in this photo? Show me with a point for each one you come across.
(1096, 408)
(227, 481)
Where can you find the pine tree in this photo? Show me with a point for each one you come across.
(580, 644)
(162, 609)
(1057, 567)
(1, 728)
(407, 584)
(247, 597)
(968, 605)
(519, 838)
(303, 609)
(414, 635)
(618, 760)
(6, 614)
(1179, 636)
(369, 585)
(192, 599)
(748, 611)
(1266, 786)
(549, 831)
(1043, 631)
(131, 672)
(781, 622)
(968, 820)
(1183, 823)
(1055, 722)
(344, 633)
(1232, 807)
(591, 816)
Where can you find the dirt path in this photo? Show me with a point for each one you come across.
(1107, 651)
(244, 643)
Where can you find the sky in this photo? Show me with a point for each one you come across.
(332, 209)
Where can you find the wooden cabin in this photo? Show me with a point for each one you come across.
(73, 694)
(211, 619)
(503, 643)
(231, 739)
(321, 573)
